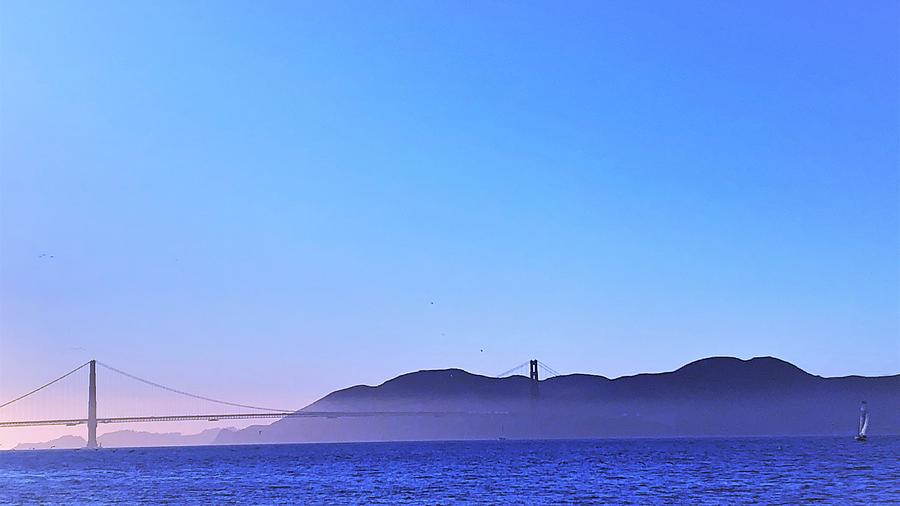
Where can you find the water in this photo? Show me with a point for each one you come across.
(753, 470)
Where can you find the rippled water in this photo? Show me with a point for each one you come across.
(754, 470)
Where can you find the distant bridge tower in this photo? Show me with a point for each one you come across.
(533, 374)
(92, 407)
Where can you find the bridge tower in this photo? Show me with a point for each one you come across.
(92, 407)
(533, 374)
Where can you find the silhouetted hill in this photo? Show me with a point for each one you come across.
(709, 397)
(62, 443)
(759, 370)
(129, 438)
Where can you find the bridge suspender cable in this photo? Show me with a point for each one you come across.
(180, 392)
(38, 389)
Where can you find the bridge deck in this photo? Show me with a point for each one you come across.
(237, 416)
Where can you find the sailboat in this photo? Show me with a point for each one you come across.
(863, 422)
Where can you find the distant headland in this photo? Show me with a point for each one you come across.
(128, 439)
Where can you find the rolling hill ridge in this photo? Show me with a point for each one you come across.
(718, 396)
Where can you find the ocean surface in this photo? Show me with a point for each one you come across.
(637, 471)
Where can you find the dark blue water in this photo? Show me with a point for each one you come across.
(716, 471)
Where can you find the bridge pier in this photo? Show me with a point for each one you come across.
(92, 407)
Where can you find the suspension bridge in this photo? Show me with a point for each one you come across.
(200, 410)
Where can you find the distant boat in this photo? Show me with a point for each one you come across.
(863, 422)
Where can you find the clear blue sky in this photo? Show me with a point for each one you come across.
(261, 200)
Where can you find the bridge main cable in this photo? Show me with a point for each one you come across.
(514, 369)
(188, 394)
(549, 369)
(38, 389)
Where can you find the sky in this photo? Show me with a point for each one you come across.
(267, 201)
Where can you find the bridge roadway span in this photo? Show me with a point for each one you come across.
(241, 416)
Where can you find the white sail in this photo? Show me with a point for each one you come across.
(863, 419)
